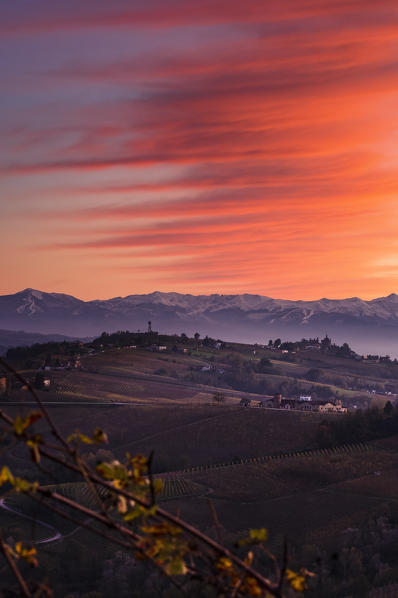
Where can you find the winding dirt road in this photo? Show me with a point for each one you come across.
(53, 538)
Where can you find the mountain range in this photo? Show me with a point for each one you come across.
(368, 326)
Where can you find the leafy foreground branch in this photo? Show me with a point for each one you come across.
(127, 515)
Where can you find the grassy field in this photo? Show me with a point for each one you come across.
(184, 436)
(317, 498)
(321, 499)
(141, 376)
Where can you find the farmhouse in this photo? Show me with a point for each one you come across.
(306, 405)
(328, 407)
(268, 403)
(157, 348)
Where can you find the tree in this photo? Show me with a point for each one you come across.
(126, 515)
(388, 409)
(314, 374)
(245, 402)
(39, 380)
(265, 365)
(196, 337)
(219, 398)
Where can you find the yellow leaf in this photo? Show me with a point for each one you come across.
(122, 505)
(100, 436)
(253, 589)
(224, 564)
(176, 567)
(22, 485)
(34, 450)
(296, 580)
(158, 486)
(22, 423)
(28, 554)
(249, 558)
(256, 536)
(6, 476)
(79, 436)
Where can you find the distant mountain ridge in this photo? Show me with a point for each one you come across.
(19, 338)
(370, 326)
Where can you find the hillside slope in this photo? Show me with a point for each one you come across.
(369, 326)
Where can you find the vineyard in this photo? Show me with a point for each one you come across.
(172, 488)
(175, 488)
(329, 452)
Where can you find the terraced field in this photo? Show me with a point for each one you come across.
(338, 450)
(180, 487)
(315, 495)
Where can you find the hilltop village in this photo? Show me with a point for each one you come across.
(310, 375)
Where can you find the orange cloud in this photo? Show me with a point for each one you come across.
(272, 136)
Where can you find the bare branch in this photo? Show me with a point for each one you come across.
(284, 565)
(39, 402)
(266, 583)
(22, 584)
(215, 519)
(73, 462)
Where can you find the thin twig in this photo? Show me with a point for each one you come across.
(269, 586)
(107, 521)
(238, 585)
(150, 476)
(5, 550)
(99, 532)
(81, 523)
(215, 519)
(265, 583)
(284, 565)
(91, 486)
(39, 402)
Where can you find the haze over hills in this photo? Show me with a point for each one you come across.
(19, 338)
(369, 326)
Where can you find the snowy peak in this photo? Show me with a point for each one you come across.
(246, 317)
(32, 301)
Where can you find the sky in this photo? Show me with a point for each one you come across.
(201, 147)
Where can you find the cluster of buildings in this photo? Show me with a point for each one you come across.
(157, 348)
(303, 403)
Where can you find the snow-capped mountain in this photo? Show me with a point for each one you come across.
(370, 326)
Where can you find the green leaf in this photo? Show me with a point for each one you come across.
(256, 536)
(176, 566)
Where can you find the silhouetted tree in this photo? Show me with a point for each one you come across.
(388, 409)
(219, 398)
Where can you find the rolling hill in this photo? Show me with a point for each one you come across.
(369, 326)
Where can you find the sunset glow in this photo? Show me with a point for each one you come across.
(208, 147)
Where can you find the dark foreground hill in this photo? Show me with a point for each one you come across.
(369, 326)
